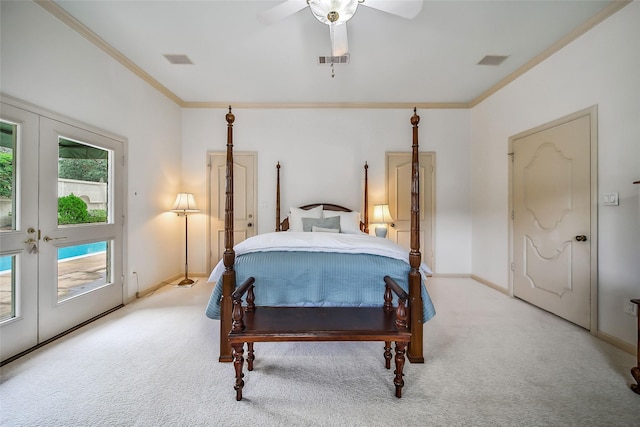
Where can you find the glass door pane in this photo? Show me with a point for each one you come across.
(8, 135)
(83, 268)
(83, 183)
(7, 288)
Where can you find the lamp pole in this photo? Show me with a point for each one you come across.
(186, 280)
(185, 204)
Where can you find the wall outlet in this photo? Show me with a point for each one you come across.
(630, 308)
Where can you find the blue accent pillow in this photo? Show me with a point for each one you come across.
(309, 223)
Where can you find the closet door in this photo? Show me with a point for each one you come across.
(399, 197)
(244, 200)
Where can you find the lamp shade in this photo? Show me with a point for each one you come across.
(185, 203)
(381, 214)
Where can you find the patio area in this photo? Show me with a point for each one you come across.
(75, 277)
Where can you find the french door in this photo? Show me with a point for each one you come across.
(61, 222)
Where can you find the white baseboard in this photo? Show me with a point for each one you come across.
(170, 281)
(451, 275)
(490, 284)
(616, 342)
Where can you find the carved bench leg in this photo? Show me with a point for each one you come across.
(387, 354)
(635, 372)
(250, 356)
(238, 362)
(398, 381)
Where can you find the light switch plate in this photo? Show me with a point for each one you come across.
(610, 199)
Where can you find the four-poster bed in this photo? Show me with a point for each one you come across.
(326, 261)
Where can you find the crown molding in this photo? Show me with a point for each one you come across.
(92, 37)
(328, 105)
(609, 10)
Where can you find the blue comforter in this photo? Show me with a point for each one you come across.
(292, 278)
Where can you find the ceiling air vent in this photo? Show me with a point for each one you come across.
(492, 60)
(344, 59)
(178, 59)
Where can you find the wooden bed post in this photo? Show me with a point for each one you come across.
(415, 353)
(229, 275)
(365, 211)
(278, 226)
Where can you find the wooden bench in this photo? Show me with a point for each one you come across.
(277, 324)
(635, 371)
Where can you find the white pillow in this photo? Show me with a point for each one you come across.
(296, 215)
(349, 221)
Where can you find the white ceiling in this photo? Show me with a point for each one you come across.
(430, 59)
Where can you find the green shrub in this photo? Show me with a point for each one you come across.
(6, 174)
(72, 210)
(97, 215)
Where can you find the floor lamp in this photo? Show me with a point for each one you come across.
(184, 205)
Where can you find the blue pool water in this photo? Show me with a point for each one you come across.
(64, 253)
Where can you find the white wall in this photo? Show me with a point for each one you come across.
(600, 68)
(322, 153)
(45, 63)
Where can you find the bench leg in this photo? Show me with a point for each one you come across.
(238, 362)
(398, 381)
(387, 354)
(250, 356)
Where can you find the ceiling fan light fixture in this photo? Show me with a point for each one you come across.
(333, 11)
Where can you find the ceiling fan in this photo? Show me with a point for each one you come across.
(336, 13)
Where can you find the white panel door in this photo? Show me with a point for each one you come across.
(552, 226)
(244, 199)
(399, 198)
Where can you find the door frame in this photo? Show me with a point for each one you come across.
(592, 113)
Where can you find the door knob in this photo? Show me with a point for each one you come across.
(249, 225)
(581, 238)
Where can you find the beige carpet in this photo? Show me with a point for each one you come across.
(490, 360)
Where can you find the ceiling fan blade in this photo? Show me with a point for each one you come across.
(405, 8)
(339, 40)
(281, 11)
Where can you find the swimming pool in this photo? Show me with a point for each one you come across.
(64, 253)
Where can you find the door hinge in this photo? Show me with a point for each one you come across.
(513, 267)
(513, 214)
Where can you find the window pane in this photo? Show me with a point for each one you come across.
(83, 268)
(83, 183)
(8, 135)
(7, 288)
